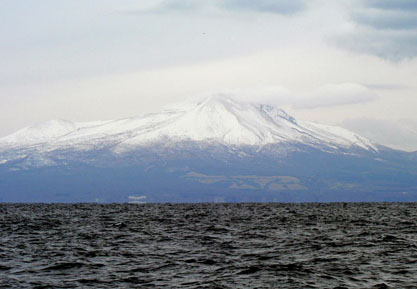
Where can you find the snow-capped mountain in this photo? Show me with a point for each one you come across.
(215, 149)
(217, 119)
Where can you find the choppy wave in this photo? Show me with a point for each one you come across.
(208, 245)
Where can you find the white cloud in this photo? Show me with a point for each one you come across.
(398, 133)
(329, 95)
(276, 95)
(336, 95)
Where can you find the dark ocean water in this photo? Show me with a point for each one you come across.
(208, 245)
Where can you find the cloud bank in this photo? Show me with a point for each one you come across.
(329, 95)
(336, 95)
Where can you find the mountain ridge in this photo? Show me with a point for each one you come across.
(220, 119)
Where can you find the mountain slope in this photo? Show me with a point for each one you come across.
(216, 149)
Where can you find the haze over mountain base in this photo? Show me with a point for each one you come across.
(215, 150)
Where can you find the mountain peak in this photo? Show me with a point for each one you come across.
(215, 119)
(41, 132)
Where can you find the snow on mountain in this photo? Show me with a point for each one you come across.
(45, 132)
(217, 119)
(41, 132)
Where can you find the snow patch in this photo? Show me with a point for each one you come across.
(137, 199)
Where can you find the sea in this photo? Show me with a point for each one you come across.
(225, 245)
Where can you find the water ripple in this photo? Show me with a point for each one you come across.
(208, 245)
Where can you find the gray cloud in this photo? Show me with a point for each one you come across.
(177, 5)
(268, 6)
(392, 45)
(386, 19)
(392, 5)
(387, 29)
(283, 7)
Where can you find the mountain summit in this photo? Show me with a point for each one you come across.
(215, 149)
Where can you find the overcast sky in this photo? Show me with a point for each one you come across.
(349, 63)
